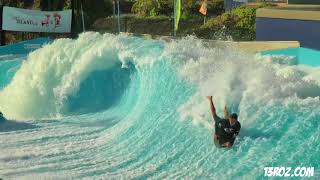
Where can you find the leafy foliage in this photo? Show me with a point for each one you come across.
(152, 7)
(238, 24)
(165, 7)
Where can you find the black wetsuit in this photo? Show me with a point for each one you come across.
(224, 131)
(2, 118)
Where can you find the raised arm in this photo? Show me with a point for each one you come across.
(226, 113)
(212, 108)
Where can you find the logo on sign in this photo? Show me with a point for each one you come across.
(47, 20)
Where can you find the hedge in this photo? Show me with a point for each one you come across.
(165, 7)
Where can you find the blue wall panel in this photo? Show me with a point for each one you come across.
(306, 32)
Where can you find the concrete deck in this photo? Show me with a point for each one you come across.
(249, 46)
(303, 2)
(258, 46)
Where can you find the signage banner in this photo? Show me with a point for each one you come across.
(16, 19)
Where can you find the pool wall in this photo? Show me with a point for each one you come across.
(23, 47)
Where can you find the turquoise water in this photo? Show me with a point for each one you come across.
(304, 56)
(110, 107)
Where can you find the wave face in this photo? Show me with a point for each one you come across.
(107, 106)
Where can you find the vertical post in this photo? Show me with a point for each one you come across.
(83, 25)
(113, 8)
(119, 29)
(3, 32)
(174, 16)
(72, 20)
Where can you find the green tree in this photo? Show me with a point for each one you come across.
(52, 5)
(238, 23)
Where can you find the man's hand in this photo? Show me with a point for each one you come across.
(212, 108)
(226, 113)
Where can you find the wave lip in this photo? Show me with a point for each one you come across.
(53, 73)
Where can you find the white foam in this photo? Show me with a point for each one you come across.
(235, 78)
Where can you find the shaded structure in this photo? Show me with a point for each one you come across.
(230, 4)
(291, 23)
